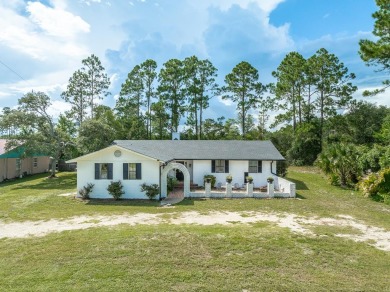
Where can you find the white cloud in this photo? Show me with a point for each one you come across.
(89, 2)
(265, 5)
(226, 102)
(58, 107)
(46, 32)
(113, 80)
(56, 22)
(379, 99)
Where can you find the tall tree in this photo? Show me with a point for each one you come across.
(160, 120)
(131, 94)
(332, 84)
(171, 91)
(377, 53)
(94, 135)
(97, 82)
(289, 88)
(7, 124)
(200, 86)
(86, 86)
(148, 75)
(76, 95)
(243, 88)
(130, 104)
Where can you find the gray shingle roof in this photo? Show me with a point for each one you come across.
(166, 150)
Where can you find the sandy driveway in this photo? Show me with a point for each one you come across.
(374, 236)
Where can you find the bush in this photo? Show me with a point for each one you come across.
(369, 157)
(171, 183)
(384, 160)
(212, 178)
(151, 191)
(115, 188)
(85, 191)
(376, 185)
(340, 162)
(281, 168)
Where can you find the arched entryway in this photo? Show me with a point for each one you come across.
(164, 176)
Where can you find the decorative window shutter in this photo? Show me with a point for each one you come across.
(212, 166)
(226, 166)
(97, 170)
(138, 168)
(109, 172)
(259, 166)
(125, 171)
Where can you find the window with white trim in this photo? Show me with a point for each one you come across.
(255, 166)
(132, 171)
(18, 164)
(220, 166)
(103, 170)
(35, 162)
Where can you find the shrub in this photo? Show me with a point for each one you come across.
(171, 183)
(376, 185)
(115, 188)
(151, 191)
(85, 191)
(229, 178)
(281, 168)
(340, 160)
(249, 179)
(384, 160)
(212, 178)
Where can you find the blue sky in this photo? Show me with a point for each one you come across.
(45, 41)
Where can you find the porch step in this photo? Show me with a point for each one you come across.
(181, 184)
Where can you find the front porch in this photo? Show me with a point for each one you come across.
(279, 188)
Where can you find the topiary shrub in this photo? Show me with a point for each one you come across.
(115, 188)
(151, 191)
(85, 191)
(212, 178)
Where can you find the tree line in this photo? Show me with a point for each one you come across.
(316, 116)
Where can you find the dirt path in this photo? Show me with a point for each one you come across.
(375, 236)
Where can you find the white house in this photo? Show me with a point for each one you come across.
(134, 162)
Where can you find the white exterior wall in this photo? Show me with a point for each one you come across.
(86, 172)
(237, 168)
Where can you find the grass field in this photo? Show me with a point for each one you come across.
(259, 256)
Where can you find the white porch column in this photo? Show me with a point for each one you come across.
(207, 189)
(228, 190)
(270, 189)
(249, 189)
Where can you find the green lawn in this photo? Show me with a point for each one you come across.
(165, 257)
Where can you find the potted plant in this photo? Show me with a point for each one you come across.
(209, 178)
(249, 179)
(229, 178)
(270, 179)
